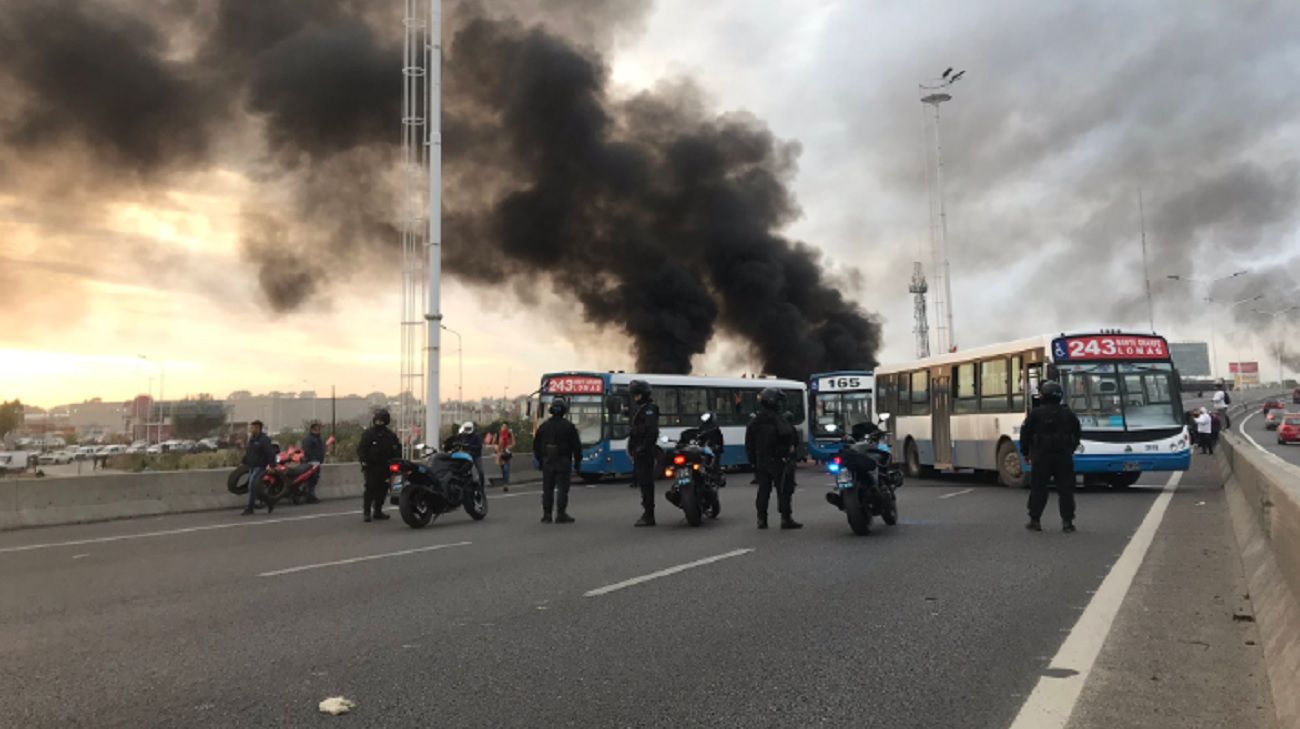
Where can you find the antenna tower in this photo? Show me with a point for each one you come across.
(922, 328)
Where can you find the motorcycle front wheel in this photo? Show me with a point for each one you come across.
(715, 506)
(416, 506)
(889, 514)
(857, 512)
(476, 504)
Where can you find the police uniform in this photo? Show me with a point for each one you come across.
(1050, 436)
(642, 439)
(378, 447)
(557, 449)
(770, 446)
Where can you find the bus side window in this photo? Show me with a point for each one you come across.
(794, 404)
(1017, 384)
(666, 399)
(692, 403)
(1035, 379)
(920, 392)
(904, 394)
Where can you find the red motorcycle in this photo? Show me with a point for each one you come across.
(288, 477)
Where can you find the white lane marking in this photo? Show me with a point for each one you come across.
(367, 558)
(1053, 699)
(665, 572)
(81, 556)
(956, 493)
(1241, 428)
(170, 532)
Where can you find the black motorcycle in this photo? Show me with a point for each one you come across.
(695, 482)
(436, 484)
(866, 478)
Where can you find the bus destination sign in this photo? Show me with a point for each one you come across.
(1109, 346)
(574, 385)
(841, 383)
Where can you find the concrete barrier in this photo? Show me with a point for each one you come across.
(1264, 499)
(31, 502)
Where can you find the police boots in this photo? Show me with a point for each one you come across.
(788, 522)
(647, 519)
(762, 521)
(564, 518)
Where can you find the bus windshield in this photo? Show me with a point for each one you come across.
(585, 412)
(1123, 396)
(841, 409)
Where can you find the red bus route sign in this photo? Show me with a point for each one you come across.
(1109, 346)
(574, 385)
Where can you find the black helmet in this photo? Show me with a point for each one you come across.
(382, 417)
(789, 416)
(1050, 390)
(559, 407)
(771, 398)
(638, 389)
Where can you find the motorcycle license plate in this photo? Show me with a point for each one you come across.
(683, 477)
(844, 480)
(1130, 467)
(395, 484)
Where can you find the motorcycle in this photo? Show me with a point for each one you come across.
(866, 478)
(435, 484)
(289, 476)
(695, 483)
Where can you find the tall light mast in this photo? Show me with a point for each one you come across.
(933, 93)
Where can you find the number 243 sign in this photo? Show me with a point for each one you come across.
(1110, 347)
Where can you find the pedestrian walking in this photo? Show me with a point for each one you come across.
(1048, 439)
(505, 452)
(377, 448)
(770, 443)
(643, 438)
(313, 450)
(556, 449)
(1221, 402)
(259, 455)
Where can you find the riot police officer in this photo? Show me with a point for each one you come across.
(1048, 438)
(770, 443)
(378, 447)
(556, 448)
(642, 440)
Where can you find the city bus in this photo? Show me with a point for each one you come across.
(964, 410)
(600, 408)
(839, 399)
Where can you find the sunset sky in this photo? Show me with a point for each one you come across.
(1064, 114)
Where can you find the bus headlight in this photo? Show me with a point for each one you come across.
(1080, 449)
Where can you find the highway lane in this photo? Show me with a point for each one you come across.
(1251, 425)
(947, 620)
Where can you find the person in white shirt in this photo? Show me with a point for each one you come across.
(1205, 431)
(1221, 403)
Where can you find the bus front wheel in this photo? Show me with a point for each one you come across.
(1123, 480)
(1010, 471)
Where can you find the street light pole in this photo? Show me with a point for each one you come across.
(1208, 282)
(1274, 316)
(933, 93)
(161, 374)
(460, 370)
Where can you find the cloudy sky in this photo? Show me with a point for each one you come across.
(178, 206)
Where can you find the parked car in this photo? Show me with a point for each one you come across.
(138, 446)
(110, 450)
(56, 458)
(154, 449)
(84, 453)
(207, 445)
(14, 461)
(1289, 430)
(1272, 419)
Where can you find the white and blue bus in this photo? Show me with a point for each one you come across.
(964, 410)
(838, 401)
(599, 406)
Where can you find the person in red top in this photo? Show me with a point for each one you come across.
(505, 446)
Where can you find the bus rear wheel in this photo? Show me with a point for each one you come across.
(1011, 472)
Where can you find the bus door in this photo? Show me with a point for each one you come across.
(940, 409)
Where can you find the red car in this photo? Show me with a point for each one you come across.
(1289, 430)
(1274, 404)
(1273, 418)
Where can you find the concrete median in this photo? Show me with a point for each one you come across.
(33, 502)
(1264, 497)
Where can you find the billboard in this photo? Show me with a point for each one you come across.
(1245, 373)
(1191, 359)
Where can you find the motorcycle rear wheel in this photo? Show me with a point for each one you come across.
(691, 505)
(415, 504)
(856, 510)
(890, 513)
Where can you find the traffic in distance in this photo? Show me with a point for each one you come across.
(955, 411)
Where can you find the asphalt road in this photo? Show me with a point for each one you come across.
(951, 619)
(1251, 424)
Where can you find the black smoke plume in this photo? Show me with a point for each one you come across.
(658, 216)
